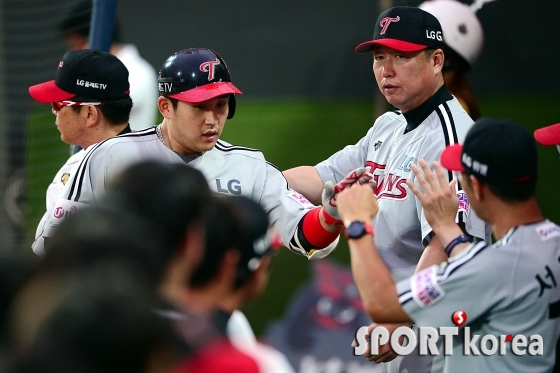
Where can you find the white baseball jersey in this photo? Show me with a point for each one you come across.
(511, 288)
(53, 193)
(401, 230)
(228, 169)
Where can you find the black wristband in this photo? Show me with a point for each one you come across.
(456, 241)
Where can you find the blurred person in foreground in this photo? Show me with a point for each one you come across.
(502, 291)
(89, 307)
(221, 265)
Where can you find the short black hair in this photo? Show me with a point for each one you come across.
(221, 235)
(235, 223)
(511, 192)
(171, 196)
(103, 321)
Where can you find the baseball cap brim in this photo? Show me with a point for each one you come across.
(451, 158)
(549, 135)
(396, 44)
(206, 92)
(48, 92)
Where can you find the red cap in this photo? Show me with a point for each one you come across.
(206, 92)
(48, 92)
(549, 135)
(451, 158)
(400, 45)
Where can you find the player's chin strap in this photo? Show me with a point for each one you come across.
(298, 242)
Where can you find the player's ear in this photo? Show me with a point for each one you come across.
(438, 59)
(477, 187)
(92, 114)
(165, 107)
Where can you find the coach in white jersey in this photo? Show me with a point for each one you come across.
(504, 298)
(196, 98)
(408, 59)
(91, 102)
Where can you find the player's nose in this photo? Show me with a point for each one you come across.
(387, 69)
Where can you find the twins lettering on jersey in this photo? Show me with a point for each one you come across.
(391, 185)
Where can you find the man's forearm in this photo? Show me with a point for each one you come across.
(374, 282)
(306, 181)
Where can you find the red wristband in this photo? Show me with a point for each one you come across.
(314, 232)
(330, 220)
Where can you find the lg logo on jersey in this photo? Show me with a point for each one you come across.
(233, 187)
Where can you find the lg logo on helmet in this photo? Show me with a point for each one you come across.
(434, 35)
(209, 67)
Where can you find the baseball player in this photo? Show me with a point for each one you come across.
(505, 291)
(196, 98)
(407, 63)
(91, 102)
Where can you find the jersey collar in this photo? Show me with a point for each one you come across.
(418, 115)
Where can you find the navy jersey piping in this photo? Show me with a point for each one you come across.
(81, 169)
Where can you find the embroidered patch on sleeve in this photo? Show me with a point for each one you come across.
(464, 204)
(547, 231)
(300, 199)
(425, 288)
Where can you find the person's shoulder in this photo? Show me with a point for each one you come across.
(238, 150)
(132, 139)
(389, 120)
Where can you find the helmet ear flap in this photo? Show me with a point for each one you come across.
(231, 104)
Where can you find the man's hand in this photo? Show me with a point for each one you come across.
(357, 203)
(330, 191)
(438, 198)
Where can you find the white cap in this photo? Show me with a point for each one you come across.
(462, 30)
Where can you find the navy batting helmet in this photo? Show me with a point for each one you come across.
(195, 75)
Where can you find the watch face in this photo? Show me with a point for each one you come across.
(356, 229)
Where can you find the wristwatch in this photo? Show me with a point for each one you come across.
(357, 229)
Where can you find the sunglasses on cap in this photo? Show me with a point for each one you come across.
(56, 106)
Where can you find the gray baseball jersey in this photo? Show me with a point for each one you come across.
(228, 169)
(401, 230)
(53, 192)
(510, 288)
